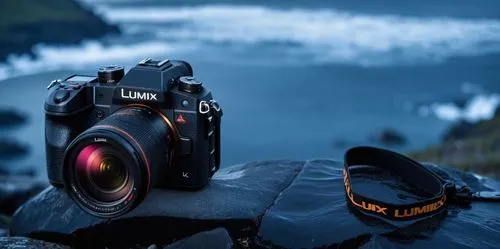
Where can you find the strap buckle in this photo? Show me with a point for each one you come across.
(458, 194)
(464, 194)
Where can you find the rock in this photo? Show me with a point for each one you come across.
(461, 103)
(311, 212)
(460, 130)
(15, 190)
(10, 149)
(10, 118)
(270, 204)
(235, 199)
(153, 246)
(389, 137)
(4, 225)
(340, 143)
(27, 243)
(214, 239)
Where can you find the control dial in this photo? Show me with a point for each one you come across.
(110, 74)
(189, 84)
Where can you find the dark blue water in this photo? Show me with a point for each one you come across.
(296, 79)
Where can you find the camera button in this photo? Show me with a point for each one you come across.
(186, 145)
(100, 114)
(61, 95)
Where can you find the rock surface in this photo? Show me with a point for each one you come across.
(4, 225)
(26, 243)
(214, 239)
(235, 199)
(271, 204)
(15, 190)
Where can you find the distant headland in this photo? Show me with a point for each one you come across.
(25, 23)
(469, 146)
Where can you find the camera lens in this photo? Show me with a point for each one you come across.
(109, 168)
(109, 174)
(101, 172)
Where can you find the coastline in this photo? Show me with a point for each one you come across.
(468, 146)
(51, 23)
(25, 23)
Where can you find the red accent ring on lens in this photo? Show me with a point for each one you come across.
(135, 141)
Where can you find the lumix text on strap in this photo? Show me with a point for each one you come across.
(441, 192)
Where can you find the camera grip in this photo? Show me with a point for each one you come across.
(59, 132)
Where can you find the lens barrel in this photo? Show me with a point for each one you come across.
(109, 168)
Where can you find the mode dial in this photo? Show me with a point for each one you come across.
(110, 74)
(189, 84)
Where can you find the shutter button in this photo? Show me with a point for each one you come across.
(60, 96)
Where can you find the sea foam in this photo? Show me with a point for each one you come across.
(311, 36)
(331, 35)
(479, 107)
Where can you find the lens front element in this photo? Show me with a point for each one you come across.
(110, 175)
(102, 173)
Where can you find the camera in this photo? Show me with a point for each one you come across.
(111, 137)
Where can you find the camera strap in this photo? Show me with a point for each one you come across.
(213, 115)
(440, 192)
(217, 113)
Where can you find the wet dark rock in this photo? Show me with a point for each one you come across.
(27, 243)
(4, 225)
(214, 239)
(307, 213)
(15, 190)
(389, 137)
(234, 199)
(277, 204)
(11, 149)
(312, 213)
(10, 118)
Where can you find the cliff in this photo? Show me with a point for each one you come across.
(24, 23)
(470, 146)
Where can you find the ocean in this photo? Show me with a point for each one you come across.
(296, 79)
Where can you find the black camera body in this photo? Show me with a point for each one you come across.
(122, 134)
